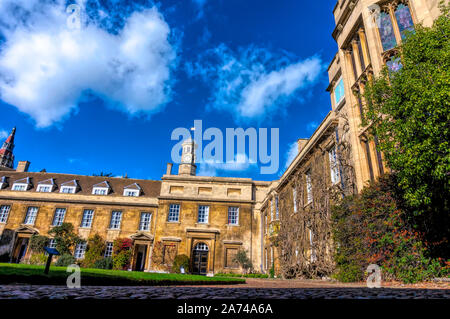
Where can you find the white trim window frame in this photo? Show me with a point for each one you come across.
(233, 215)
(80, 250)
(277, 211)
(67, 189)
(30, 217)
(100, 191)
(131, 192)
(44, 188)
(334, 165)
(116, 219)
(203, 214)
(339, 91)
(20, 187)
(109, 249)
(58, 217)
(4, 213)
(309, 194)
(174, 213)
(145, 221)
(88, 217)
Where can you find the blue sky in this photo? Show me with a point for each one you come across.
(106, 97)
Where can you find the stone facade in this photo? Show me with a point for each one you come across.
(209, 218)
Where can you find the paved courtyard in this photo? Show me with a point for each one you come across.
(254, 288)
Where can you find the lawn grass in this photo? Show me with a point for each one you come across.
(34, 275)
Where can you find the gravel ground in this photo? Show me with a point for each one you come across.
(254, 288)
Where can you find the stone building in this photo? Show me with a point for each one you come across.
(281, 224)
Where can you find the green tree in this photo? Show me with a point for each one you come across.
(409, 111)
(38, 242)
(65, 238)
(95, 249)
(242, 259)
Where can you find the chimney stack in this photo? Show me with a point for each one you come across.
(169, 169)
(22, 166)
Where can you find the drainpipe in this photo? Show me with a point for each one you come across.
(262, 242)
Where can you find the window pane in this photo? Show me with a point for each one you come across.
(145, 221)
(59, 216)
(31, 215)
(87, 218)
(109, 249)
(174, 213)
(233, 215)
(339, 91)
(4, 212)
(203, 214)
(404, 20)
(386, 31)
(116, 218)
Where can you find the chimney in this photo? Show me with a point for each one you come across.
(169, 169)
(22, 166)
(301, 142)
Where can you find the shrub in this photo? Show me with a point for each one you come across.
(121, 261)
(373, 228)
(38, 259)
(65, 260)
(180, 260)
(272, 271)
(94, 252)
(242, 259)
(122, 253)
(104, 263)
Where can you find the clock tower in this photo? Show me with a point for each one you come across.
(187, 165)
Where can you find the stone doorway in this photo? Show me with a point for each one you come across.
(21, 249)
(200, 259)
(140, 257)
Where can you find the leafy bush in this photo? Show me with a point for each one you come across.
(65, 260)
(372, 228)
(38, 259)
(122, 253)
(180, 260)
(104, 263)
(38, 242)
(242, 259)
(94, 252)
(121, 261)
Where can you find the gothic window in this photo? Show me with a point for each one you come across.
(386, 30)
(404, 20)
(339, 93)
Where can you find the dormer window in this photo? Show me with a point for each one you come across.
(21, 185)
(133, 190)
(102, 188)
(70, 187)
(46, 186)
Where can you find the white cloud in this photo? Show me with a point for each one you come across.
(254, 83)
(3, 134)
(46, 67)
(311, 126)
(239, 164)
(291, 154)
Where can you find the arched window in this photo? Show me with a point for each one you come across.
(404, 19)
(386, 31)
(201, 247)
